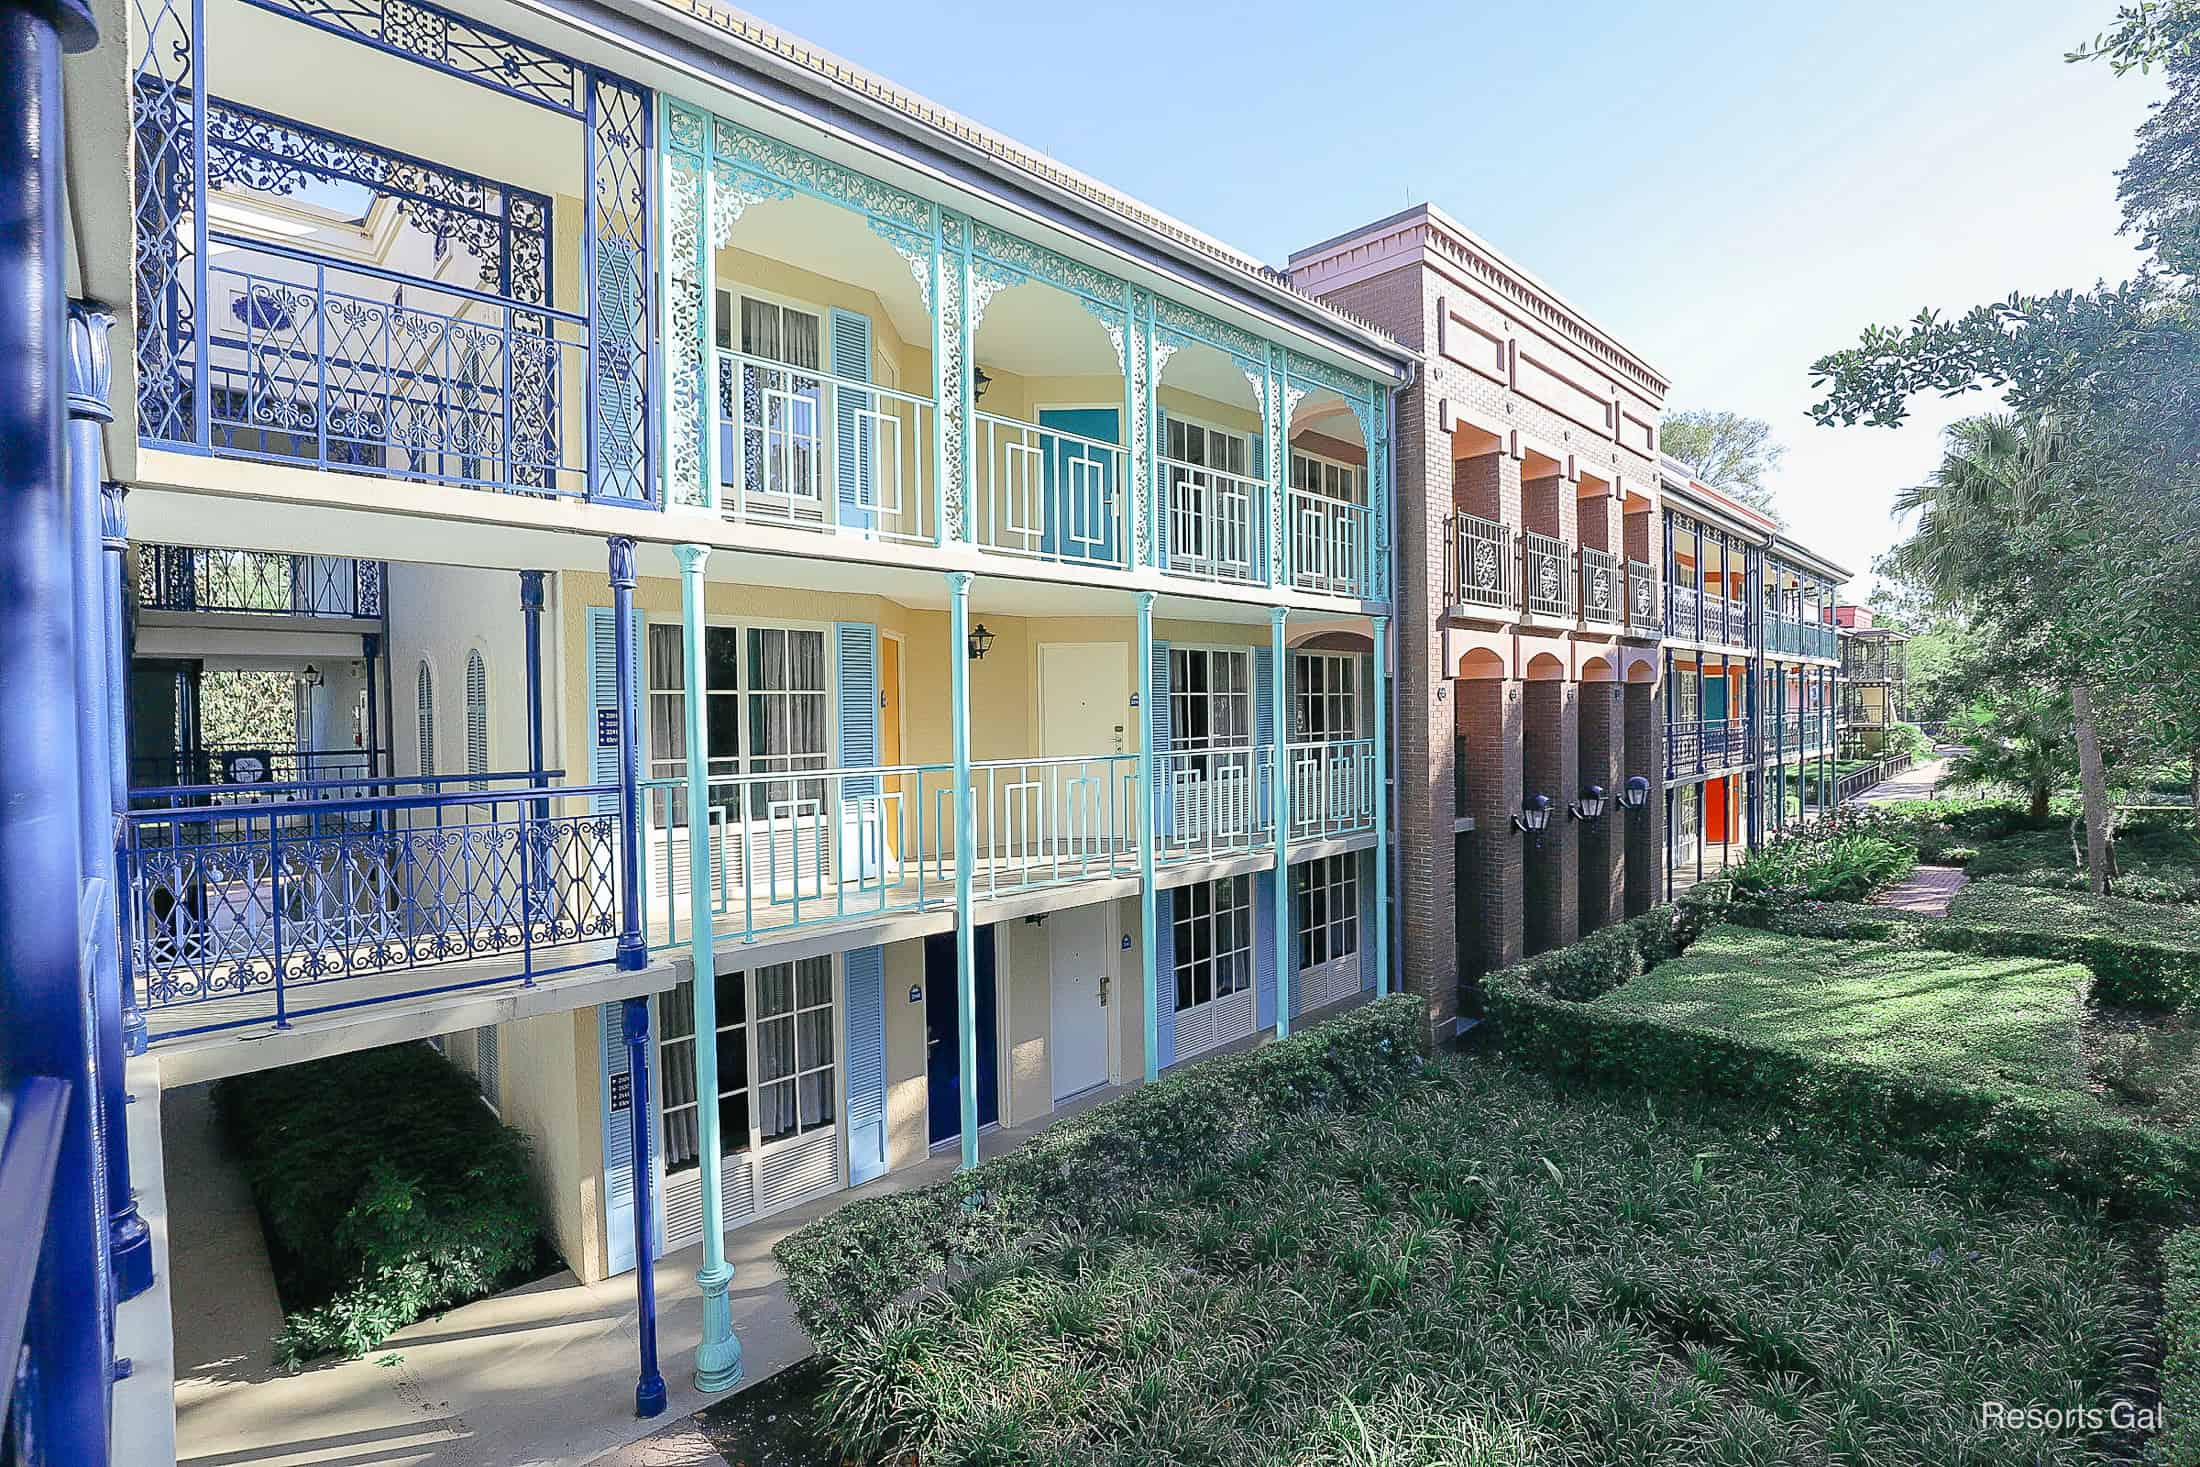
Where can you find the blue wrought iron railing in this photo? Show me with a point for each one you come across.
(350, 366)
(1695, 746)
(227, 771)
(275, 903)
(31, 1120)
(190, 578)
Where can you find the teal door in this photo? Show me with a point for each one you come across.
(1083, 497)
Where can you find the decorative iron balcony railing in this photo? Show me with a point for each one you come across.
(190, 578)
(1546, 578)
(1212, 801)
(250, 913)
(1642, 599)
(349, 366)
(226, 773)
(1486, 563)
(1044, 494)
(1701, 745)
(1332, 788)
(1330, 540)
(1601, 585)
(1215, 525)
(1683, 612)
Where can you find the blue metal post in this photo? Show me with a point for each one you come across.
(530, 605)
(649, 1388)
(633, 952)
(43, 984)
(89, 372)
(1378, 681)
(718, 1357)
(966, 842)
(1149, 897)
(113, 543)
(1279, 702)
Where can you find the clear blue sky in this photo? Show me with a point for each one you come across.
(1731, 188)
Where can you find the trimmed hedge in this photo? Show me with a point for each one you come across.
(1612, 956)
(386, 1189)
(2178, 1445)
(2128, 972)
(843, 1268)
(2011, 1141)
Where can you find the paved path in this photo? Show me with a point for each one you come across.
(1915, 783)
(1926, 890)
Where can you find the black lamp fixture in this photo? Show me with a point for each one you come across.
(980, 380)
(981, 642)
(1535, 815)
(312, 677)
(1635, 793)
(1591, 804)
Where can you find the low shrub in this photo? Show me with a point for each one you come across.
(1823, 865)
(842, 1269)
(386, 1189)
(1611, 956)
(2178, 1445)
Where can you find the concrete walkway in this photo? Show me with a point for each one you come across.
(1915, 783)
(1926, 891)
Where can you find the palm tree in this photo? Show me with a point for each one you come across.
(2023, 741)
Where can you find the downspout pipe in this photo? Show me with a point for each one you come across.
(1396, 950)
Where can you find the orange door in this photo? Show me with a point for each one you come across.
(1714, 811)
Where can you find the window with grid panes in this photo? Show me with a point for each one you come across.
(1214, 940)
(682, 1124)
(1205, 526)
(1326, 477)
(782, 446)
(795, 1089)
(1326, 894)
(1325, 697)
(1210, 698)
(780, 684)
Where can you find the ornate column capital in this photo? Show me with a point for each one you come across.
(692, 558)
(622, 562)
(90, 367)
(113, 523)
(530, 590)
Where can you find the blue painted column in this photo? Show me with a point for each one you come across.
(89, 373)
(530, 606)
(966, 841)
(113, 543)
(649, 1387)
(1279, 703)
(718, 1357)
(633, 952)
(43, 987)
(1149, 834)
(1378, 680)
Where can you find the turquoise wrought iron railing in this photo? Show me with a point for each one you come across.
(1330, 542)
(1215, 524)
(272, 904)
(1332, 788)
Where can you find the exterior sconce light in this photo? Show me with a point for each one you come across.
(981, 642)
(1635, 793)
(1590, 806)
(1535, 815)
(980, 380)
(312, 677)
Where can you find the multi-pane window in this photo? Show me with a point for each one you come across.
(1205, 447)
(676, 1062)
(1210, 698)
(1325, 477)
(1326, 896)
(795, 1092)
(768, 708)
(1210, 519)
(1214, 940)
(780, 409)
(1325, 697)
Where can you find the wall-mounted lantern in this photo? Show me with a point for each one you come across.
(1635, 793)
(1535, 815)
(1591, 804)
(981, 642)
(312, 677)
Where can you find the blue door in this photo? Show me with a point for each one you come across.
(1083, 497)
(1714, 713)
(943, 1073)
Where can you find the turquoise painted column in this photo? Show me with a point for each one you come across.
(1378, 680)
(1279, 704)
(966, 841)
(1149, 832)
(718, 1357)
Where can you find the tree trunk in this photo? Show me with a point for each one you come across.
(2092, 787)
(2195, 795)
(2039, 803)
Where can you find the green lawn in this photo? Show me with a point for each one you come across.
(2158, 854)
(1493, 1269)
(2008, 1021)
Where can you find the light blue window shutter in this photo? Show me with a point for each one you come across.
(1264, 950)
(424, 698)
(1164, 948)
(603, 697)
(854, 436)
(862, 820)
(488, 1065)
(1157, 736)
(1264, 736)
(618, 1152)
(866, 990)
(477, 720)
(1369, 916)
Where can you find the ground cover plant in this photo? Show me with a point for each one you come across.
(1485, 1267)
(386, 1190)
(1832, 860)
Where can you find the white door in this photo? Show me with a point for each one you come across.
(1077, 1040)
(1084, 713)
